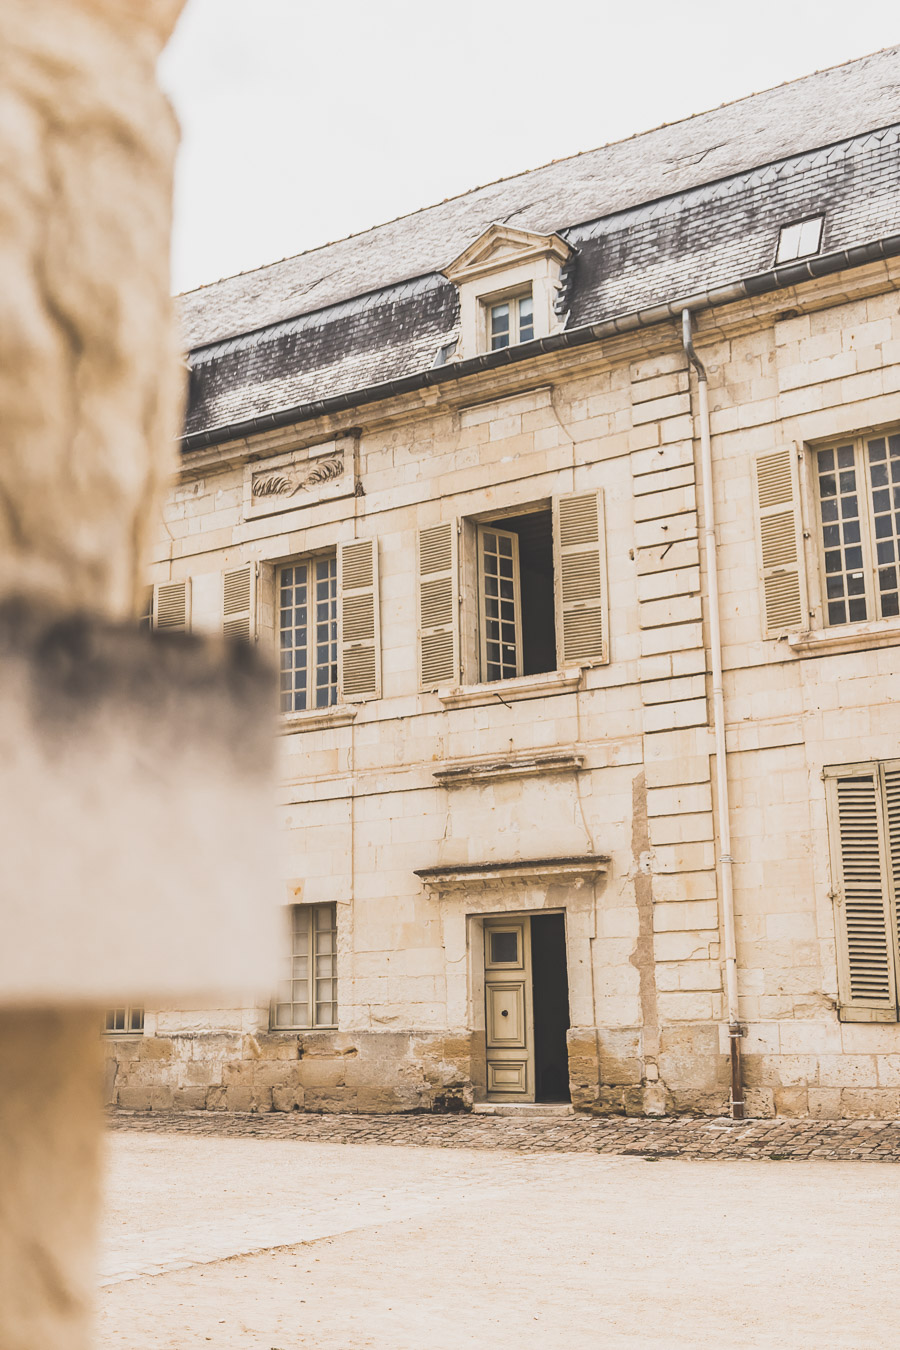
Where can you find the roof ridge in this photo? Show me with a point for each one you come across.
(523, 173)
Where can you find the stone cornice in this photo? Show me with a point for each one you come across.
(584, 868)
(466, 772)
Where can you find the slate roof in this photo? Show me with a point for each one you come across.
(656, 218)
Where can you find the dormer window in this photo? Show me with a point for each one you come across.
(511, 321)
(509, 285)
(800, 240)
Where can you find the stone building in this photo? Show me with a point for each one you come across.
(570, 508)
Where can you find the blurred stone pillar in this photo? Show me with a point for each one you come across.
(134, 768)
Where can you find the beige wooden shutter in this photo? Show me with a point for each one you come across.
(780, 543)
(358, 592)
(438, 589)
(890, 777)
(580, 579)
(239, 603)
(863, 896)
(172, 606)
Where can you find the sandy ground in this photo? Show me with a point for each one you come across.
(268, 1244)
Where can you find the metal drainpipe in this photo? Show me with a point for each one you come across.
(735, 1030)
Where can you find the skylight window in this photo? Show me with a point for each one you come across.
(801, 240)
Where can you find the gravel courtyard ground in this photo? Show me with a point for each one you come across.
(269, 1233)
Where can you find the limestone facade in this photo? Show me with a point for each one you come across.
(421, 811)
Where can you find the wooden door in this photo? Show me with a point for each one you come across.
(508, 1010)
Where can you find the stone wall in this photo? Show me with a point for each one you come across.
(362, 811)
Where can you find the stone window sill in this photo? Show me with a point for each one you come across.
(299, 1031)
(317, 719)
(510, 691)
(846, 637)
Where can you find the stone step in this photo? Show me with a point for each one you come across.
(523, 1109)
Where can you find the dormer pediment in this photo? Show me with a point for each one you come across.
(501, 247)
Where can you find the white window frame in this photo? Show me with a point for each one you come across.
(304, 927)
(513, 299)
(131, 1017)
(309, 560)
(801, 239)
(868, 541)
(483, 530)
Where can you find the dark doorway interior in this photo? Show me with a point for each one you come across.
(550, 992)
(535, 532)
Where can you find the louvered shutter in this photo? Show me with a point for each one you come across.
(438, 591)
(863, 891)
(172, 606)
(890, 775)
(580, 579)
(780, 543)
(358, 591)
(239, 603)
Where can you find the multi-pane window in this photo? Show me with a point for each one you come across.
(859, 517)
(124, 1021)
(501, 618)
(307, 996)
(308, 633)
(511, 321)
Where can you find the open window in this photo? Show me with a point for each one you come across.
(511, 594)
(516, 602)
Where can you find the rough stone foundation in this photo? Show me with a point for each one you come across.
(316, 1071)
(375, 1072)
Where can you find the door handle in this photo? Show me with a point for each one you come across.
(505, 1012)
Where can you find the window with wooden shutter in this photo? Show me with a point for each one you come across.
(438, 583)
(580, 579)
(780, 543)
(864, 819)
(172, 606)
(239, 603)
(358, 590)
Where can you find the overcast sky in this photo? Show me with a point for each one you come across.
(303, 122)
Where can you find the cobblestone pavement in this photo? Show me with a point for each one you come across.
(672, 1137)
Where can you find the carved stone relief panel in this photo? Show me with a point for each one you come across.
(300, 478)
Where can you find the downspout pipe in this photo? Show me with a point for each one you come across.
(735, 1029)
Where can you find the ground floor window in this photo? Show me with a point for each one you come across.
(124, 1021)
(307, 995)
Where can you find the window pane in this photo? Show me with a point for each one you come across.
(504, 947)
(884, 476)
(526, 319)
(499, 326)
(845, 581)
(501, 636)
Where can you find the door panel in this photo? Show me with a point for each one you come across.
(503, 1077)
(506, 1014)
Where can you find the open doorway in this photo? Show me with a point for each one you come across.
(526, 1008)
